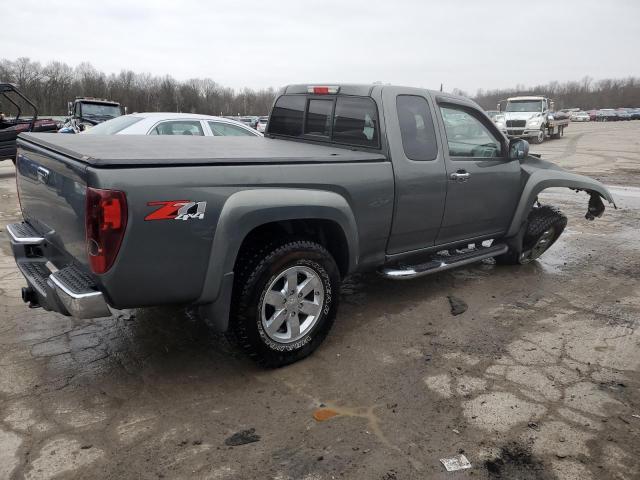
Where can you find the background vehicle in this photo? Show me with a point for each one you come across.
(348, 178)
(252, 121)
(624, 114)
(166, 123)
(580, 116)
(262, 124)
(86, 112)
(607, 115)
(531, 117)
(593, 114)
(12, 122)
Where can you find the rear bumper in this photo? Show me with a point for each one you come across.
(68, 291)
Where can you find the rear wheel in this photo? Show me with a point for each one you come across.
(285, 300)
(545, 225)
(557, 134)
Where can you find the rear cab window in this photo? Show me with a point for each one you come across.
(340, 119)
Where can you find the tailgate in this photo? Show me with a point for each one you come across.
(51, 189)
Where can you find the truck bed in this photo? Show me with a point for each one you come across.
(124, 150)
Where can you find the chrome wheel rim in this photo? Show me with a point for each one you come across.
(542, 244)
(292, 304)
(540, 136)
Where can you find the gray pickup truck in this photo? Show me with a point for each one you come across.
(255, 234)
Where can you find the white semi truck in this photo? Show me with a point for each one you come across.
(531, 117)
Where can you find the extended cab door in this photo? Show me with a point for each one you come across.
(419, 168)
(483, 185)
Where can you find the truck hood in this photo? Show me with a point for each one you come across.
(520, 115)
(142, 150)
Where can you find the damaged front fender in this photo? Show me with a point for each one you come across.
(596, 207)
(540, 175)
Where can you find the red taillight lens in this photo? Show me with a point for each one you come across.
(323, 90)
(106, 221)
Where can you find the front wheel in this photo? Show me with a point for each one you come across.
(539, 138)
(284, 302)
(545, 225)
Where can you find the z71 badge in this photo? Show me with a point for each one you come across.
(177, 210)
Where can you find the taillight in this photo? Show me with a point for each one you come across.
(323, 90)
(105, 221)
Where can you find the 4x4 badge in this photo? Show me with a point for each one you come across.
(177, 210)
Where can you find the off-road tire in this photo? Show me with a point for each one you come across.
(256, 268)
(541, 219)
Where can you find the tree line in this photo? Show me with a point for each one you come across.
(52, 85)
(586, 94)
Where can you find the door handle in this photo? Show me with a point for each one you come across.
(460, 176)
(43, 174)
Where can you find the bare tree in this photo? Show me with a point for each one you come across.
(51, 86)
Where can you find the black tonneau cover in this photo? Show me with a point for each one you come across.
(139, 150)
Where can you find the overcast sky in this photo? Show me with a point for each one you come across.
(468, 44)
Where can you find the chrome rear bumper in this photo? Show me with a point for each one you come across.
(68, 291)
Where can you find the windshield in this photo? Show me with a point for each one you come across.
(100, 110)
(111, 127)
(524, 106)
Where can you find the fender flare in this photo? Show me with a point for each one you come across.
(245, 210)
(542, 179)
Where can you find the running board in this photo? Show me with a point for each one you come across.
(440, 263)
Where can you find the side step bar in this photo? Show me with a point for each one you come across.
(439, 263)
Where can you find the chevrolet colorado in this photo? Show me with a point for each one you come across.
(257, 233)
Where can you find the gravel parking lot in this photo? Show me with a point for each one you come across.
(537, 379)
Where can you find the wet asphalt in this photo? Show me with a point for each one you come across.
(537, 379)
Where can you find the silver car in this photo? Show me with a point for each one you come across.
(163, 123)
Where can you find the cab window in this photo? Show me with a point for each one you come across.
(467, 136)
(348, 120)
(287, 115)
(319, 118)
(416, 128)
(355, 122)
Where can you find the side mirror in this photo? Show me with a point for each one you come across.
(518, 149)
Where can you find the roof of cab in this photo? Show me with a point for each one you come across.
(525, 98)
(366, 89)
(345, 88)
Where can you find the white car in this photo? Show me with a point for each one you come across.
(163, 123)
(262, 124)
(580, 116)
